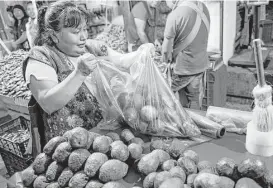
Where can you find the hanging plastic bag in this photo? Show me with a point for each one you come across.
(107, 83)
(153, 109)
(141, 97)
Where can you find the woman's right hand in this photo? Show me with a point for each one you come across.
(86, 64)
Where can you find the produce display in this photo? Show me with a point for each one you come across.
(114, 37)
(84, 159)
(91, 160)
(12, 82)
(186, 170)
(141, 98)
(16, 137)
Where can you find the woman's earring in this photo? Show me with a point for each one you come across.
(55, 40)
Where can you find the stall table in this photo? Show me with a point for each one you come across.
(231, 146)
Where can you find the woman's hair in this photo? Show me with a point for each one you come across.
(9, 9)
(24, 12)
(58, 15)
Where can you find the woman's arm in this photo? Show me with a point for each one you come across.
(51, 95)
(21, 39)
(140, 25)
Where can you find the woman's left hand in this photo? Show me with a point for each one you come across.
(14, 45)
(86, 64)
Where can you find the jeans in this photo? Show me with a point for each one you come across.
(190, 88)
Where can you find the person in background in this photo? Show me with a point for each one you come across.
(21, 19)
(143, 15)
(11, 18)
(185, 46)
(31, 26)
(57, 67)
(10, 23)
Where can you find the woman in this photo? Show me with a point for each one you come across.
(56, 69)
(31, 26)
(11, 19)
(21, 19)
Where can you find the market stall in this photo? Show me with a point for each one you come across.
(144, 160)
(146, 138)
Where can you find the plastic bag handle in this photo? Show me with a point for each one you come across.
(168, 73)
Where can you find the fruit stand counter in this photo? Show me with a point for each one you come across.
(231, 146)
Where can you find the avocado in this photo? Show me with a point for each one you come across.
(172, 183)
(162, 155)
(65, 177)
(148, 163)
(120, 152)
(178, 172)
(94, 184)
(62, 153)
(247, 183)
(41, 163)
(53, 172)
(188, 165)
(191, 155)
(168, 165)
(135, 151)
(101, 144)
(113, 184)
(93, 163)
(226, 167)
(190, 179)
(78, 138)
(40, 182)
(77, 159)
(28, 176)
(161, 177)
(203, 165)
(91, 138)
(53, 185)
(252, 168)
(206, 180)
(113, 170)
(52, 144)
(148, 181)
(79, 180)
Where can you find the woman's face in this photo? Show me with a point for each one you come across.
(153, 3)
(10, 14)
(18, 13)
(71, 41)
(170, 3)
(31, 11)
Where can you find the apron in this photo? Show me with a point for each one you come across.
(201, 17)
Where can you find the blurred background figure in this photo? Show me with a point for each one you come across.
(11, 19)
(31, 26)
(143, 16)
(185, 46)
(20, 36)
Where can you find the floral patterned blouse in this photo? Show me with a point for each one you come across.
(83, 110)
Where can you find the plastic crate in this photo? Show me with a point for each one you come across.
(215, 91)
(15, 163)
(267, 27)
(17, 148)
(13, 152)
